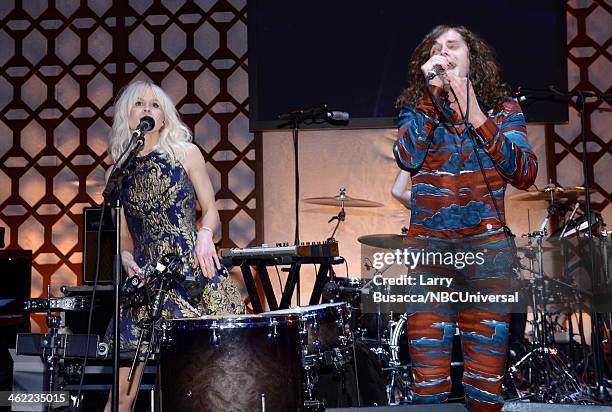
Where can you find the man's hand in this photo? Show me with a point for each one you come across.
(436, 60)
(459, 86)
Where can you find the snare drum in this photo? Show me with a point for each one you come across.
(240, 362)
(322, 327)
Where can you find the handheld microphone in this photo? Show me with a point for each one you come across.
(146, 124)
(435, 71)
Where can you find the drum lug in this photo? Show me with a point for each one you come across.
(303, 332)
(273, 334)
(166, 337)
(315, 326)
(215, 338)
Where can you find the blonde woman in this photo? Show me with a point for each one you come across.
(159, 198)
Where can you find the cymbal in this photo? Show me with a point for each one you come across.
(523, 245)
(339, 199)
(557, 192)
(384, 241)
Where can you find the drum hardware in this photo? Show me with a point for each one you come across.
(74, 304)
(215, 339)
(165, 273)
(54, 346)
(323, 343)
(547, 374)
(273, 334)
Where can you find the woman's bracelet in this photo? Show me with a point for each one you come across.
(208, 229)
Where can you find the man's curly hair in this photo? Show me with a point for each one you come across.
(485, 72)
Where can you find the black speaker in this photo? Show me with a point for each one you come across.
(91, 223)
(103, 309)
(15, 278)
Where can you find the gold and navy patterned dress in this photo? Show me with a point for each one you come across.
(160, 209)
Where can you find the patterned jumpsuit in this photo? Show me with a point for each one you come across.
(451, 203)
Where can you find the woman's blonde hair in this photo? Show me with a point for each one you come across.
(173, 135)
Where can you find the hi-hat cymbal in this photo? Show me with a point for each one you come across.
(341, 199)
(556, 192)
(524, 244)
(384, 241)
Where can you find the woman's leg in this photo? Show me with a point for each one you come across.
(127, 390)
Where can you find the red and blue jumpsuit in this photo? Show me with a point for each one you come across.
(451, 202)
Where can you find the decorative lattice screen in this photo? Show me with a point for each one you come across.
(63, 61)
(589, 41)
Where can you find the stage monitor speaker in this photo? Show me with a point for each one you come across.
(91, 223)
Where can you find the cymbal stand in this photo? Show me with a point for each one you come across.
(341, 216)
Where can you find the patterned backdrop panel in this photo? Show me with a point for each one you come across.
(589, 65)
(63, 62)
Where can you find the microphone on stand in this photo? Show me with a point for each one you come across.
(337, 115)
(315, 113)
(146, 124)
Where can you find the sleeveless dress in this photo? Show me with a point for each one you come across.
(159, 203)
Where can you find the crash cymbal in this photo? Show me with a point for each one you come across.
(556, 192)
(341, 199)
(384, 241)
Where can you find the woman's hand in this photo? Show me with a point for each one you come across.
(129, 264)
(206, 254)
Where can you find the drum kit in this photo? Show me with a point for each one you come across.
(286, 352)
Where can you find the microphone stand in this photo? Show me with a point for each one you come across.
(295, 118)
(112, 194)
